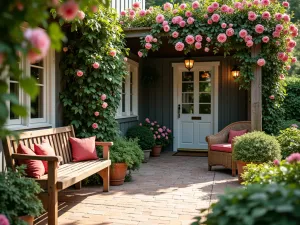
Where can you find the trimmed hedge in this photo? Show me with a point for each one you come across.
(292, 100)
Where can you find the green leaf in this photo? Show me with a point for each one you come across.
(19, 110)
(29, 86)
(56, 36)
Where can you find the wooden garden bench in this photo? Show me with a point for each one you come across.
(69, 173)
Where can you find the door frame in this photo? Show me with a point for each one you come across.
(215, 93)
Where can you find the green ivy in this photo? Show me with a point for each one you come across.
(292, 100)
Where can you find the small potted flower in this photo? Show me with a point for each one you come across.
(145, 139)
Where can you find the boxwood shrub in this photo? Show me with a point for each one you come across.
(289, 140)
(145, 136)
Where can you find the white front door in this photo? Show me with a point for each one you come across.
(196, 104)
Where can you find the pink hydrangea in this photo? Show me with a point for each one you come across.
(182, 6)
(259, 28)
(265, 2)
(79, 73)
(249, 43)
(80, 15)
(160, 18)
(94, 125)
(243, 33)
(40, 42)
(215, 17)
(147, 120)
(293, 158)
(104, 105)
(198, 38)
(166, 28)
(96, 113)
(252, 16)
(140, 54)
(179, 46)
(279, 28)
(182, 23)
(223, 25)
(175, 34)
(195, 5)
(190, 20)
(230, 32)
(113, 53)
(215, 5)
(210, 9)
(198, 45)
(136, 5)
(3, 220)
(206, 49)
(149, 38)
(272, 97)
(168, 6)
(148, 46)
(96, 65)
(261, 62)
(286, 4)
(222, 38)
(68, 10)
(188, 14)
(224, 8)
(190, 39)
(142, 13)
(278, 16)
(123, 13)
(265, 39)
(160, 130)
(208, 39)
(266, 15)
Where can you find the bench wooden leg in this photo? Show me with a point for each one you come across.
(78, 185)
(52, 194)
(105, 177)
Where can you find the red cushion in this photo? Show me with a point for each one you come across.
(44, 149)
(35, 168)
(235, 133)
(83, 149)
(221, 147)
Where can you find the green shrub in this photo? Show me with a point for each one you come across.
(292, 100)
(284, 173)
(271, 204)
(127, 151)
(256, 147)
(18, 196)
(145, 136)
(289, 140)
(288, 124)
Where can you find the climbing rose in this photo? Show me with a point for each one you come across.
(286, 18)
(238, 5)
(223, 25)
(131, 17)
(272, 97)
(292, 44)
(103, 97)
(188, 13)
(248, 38)
(123, 13)
(210, 9)
(104, 105)
(160, 130)
(294, 60)
(215, 5)
(265, 39)
(68, 10)
(131, 12)
(286, 4)
(230, 32)
(265, 2)
(168, 6)
(256, 2)
(175, 34)
(230, 10)
(113, 53)
(195, 5)
(266, 15)
(276, 34)
(152, 124)
(279, 28)
(79, 73)
(249, 43)
(163, 135)
(175, 11)
(259, 28)
(261, 62)
(179, 46)
(166, 28)
(278, 16)
(96, 113)
(147, 120)
(142, 13)
(165, 23)
(158, 136)
(40, 41)
(190, 20)
(96, 65)
(94, 125)
(3, 220)
(276, 162)
(182, 6)
(295, 157)
(148, 46)
(230, 25)
(149, 38)
(215, 18)
(154, 40)
(190, 39)
(80, 15)
(160, 18)
(182, 23)
(224, 8)
(292, 27)
(205, 16)
(136, 5)
(243, 33)
(252, 16)
(198, 38)
(208, 39)
(206, 49)
(140, 53)
(209, 21)
(222, 38)
(198, 45)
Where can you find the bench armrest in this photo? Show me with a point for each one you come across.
(105, 146)
(37, 157)
(104, 143)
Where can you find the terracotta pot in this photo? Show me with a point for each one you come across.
(117, 174)
(28, 219)
(146, 155)
(156, 150)
(240, 167)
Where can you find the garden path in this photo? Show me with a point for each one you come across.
(166, 190)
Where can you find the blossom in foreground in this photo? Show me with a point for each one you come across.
(68, 10)
(80, 15)
(293, 158)
(140, 54)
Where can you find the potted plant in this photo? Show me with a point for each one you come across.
(124, 154)
(18, 198)
(255, 147)
(145, 139)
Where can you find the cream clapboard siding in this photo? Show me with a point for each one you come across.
(120, 5)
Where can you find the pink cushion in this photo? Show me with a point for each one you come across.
(235, 133)
(221, 147)
(44, 149)
(83, 149)
(35, 168)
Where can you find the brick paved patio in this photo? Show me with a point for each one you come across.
(167, 190)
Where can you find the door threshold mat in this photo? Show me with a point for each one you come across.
(191, 150)
(191, 154)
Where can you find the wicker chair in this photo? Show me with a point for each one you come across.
(220, 157)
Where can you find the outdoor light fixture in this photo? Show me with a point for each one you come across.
(235, 72)
(188, 62)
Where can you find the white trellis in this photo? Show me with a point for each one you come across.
(120, 5)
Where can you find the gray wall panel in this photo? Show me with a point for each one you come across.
(127, 123)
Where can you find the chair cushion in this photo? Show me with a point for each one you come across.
(235, 133)
(35, 168)
(44, 149)
(83, 149)
(221, 147)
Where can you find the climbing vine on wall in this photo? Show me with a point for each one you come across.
(93, 65)
(233, 27)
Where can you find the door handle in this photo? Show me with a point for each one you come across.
(178, 111)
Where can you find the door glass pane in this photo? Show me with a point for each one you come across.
(204, 108)
(38, 74)
(187, 97)
(187, 87)
(37, 105)
(204, 98)
(204, 76)
(187, 76)
(205, 87)
(14, 89)
(187, 108)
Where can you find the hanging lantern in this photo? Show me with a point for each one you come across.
(235, 72)
(189, 63)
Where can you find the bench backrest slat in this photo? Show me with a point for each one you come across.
(57, 137)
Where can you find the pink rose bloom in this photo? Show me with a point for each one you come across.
(249, 43)
(295, 34)
(285, 58)
(154, 136)
(230, 25)
(190, 39)
(215, 5)
(174, 20)
(175, 34)
(206, 49)
(179, 46)
(165, 23)
(222, 38)
(243, 33)
(96, 65)
(238, 5)
(279, 28)
(163, 135)
(155, 122)
(198, 38)
(223, 25)
(195, 5)
(39, 41)
(136, 5)
(292, 44)
(104, 105)
(281, 77)
(188, 13)
(272, 97)
(182, 23)
(276, 34)
(167, 137)
(140, 54)
(286, 18)
(65, 49)
(182, 6)
(215, 18)
(190, 20)
(142, 13)
(168, 6)
(96, 113)
(230, 32)
(94, 8)
(79, 73)
(164, 127)
(141, 124)
(147, 120)
(160, 130)
(68, 10)
(210, 9)
(169, 131)
(151, 8)
(103, 97)
(123, 13)
(3, 220)
(209, 21)
(265, 39)
(230, 10)
(286, 4)
(248, 38)
(198, 45)
(208, 39)
(266, 15)
(158, 136)
(148, 11)
(80, 15)
(94, 125)
(293, 158)
(252, 16)
(294, 60)
(160, 18)
(166, 28)
(256, 2)
(224, 8)
(292, 27)
(265, 2)
(149, 38)
(276, 162)
(148, 46)
(152, 124)
(175, 11)
(278, 16)
(259, 28)
(288, 67)
(131, 17)
(289, 49)
(131, 12)
(154, 40)
(261, 62)
(113, 53)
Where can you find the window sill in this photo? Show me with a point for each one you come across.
(31, 126)
(125, 117)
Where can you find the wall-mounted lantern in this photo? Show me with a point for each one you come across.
(235, 72)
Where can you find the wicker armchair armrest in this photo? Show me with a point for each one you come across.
(218, 138)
